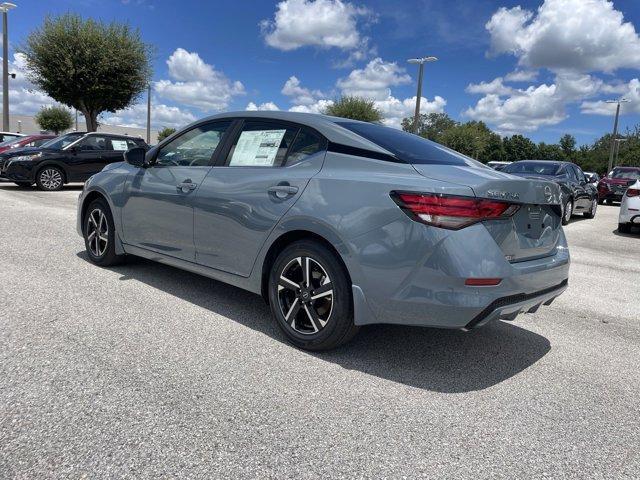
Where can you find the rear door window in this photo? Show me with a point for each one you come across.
(306, 144)
(261, 144)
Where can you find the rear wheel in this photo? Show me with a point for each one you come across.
(567, 212)
(50, 178)
(99, 234)
(592, 211)
(624, 228)
(310, 297)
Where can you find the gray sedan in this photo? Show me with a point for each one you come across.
(336, 223)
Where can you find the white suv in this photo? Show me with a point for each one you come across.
(630, 209)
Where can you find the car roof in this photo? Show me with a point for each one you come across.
(626, 168)
(324, 124)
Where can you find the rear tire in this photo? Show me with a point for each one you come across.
(50, 178)
(624, 228)
(567, 211)
(315, 314)
(99, 234)
(592, 211)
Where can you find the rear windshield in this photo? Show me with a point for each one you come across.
(408, 147)
(535, 168)
(626, 174)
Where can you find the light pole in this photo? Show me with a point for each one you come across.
(617, 141)
(149, 113)
(4, 8)
(615, 130)
(421, 62)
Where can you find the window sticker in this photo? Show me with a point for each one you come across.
(119, 145)
(257, 148)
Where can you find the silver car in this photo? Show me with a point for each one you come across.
(336, 223)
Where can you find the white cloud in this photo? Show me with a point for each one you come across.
(299, 94)
(24, 98)
(495, 86)
(395, 110)
(521, 76)
(321, 23)
(631, 93)
(196, 83)
(581, 35)
(161, 116)
(374, 80)
(267, 106)
(317, 107)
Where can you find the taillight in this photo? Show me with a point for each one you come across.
(449, 211)
(633, 192)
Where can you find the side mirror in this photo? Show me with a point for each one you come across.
(136, 156)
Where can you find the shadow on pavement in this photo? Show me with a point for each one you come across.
(13, 186)
(448, 361)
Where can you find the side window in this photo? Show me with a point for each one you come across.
(193, 148)
(131, 144)
(93, 143)
(579, 174)
(119, 145)
(572, 174)
(37, 143)
(261, 144)
(305, 144)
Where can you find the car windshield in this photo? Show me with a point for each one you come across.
(13, 141)
(625, 174)
(408, 147)
(533, 168)
(59, 143)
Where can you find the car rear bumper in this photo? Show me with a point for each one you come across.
(614, 196)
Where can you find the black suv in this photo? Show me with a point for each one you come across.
(73, 157)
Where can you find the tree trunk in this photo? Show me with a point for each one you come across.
(92, 120)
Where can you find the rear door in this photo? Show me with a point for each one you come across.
(158, 210)
(268, 165)
(87, 156)
(115, 150)
(582, 198)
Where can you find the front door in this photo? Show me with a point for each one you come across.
(240, 202)
(88, 155)
(158, 210)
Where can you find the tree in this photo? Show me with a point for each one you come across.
(519, 147)
(550, 151)
(355, 108)
(165, 132)
(568, 145)
(431, 126)
(87, 64)
(54, 119)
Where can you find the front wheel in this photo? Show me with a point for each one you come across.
(50, 179)
(592, 211)
(567, 212)
(99, 235)
(310, 296)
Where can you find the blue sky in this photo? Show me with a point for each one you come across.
(541, 68)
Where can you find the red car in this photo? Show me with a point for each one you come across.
(26, 141)
(612, 187)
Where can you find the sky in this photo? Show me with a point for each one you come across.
(542, 68)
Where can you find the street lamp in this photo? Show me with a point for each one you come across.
(421, 62)
(4, 8)
(615, 129)
(617, 142)
(149, 113)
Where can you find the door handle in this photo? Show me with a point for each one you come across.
(186, 186)
(283, 191)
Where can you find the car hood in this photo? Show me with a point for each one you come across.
(488, 183)
(14, 152)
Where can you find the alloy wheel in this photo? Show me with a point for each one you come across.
(51, 178)
(568, 211)
(97, 232)
(305, 295)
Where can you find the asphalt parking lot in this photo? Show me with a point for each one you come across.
(144, 371)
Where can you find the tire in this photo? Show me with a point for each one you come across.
(600, 201)
(98, 214)
(592, 211)
(50, 178)
(316, 324)
(567, 211)
(23, 184)
(624, 228)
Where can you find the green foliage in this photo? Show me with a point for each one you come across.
(568, 145)
(165, 132)
(431, 126)
(54, 119)
(87, 64)
(519, 147)
(355, 108)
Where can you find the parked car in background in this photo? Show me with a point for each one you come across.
(497, 165)
(337, 223)
(4, 136)
(73, 157)
(592, 177)
(26, 141)
(577, 194)
(612, 187)
(630, 208)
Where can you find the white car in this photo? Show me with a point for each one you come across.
(630, 209)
